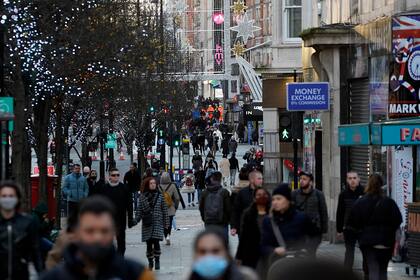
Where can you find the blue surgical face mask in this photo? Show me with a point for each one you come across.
(210, 267)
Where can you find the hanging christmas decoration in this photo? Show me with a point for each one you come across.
(239, 8)
(238, 49)
(245, 28)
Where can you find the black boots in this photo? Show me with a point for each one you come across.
(157, 263)
(150, 263)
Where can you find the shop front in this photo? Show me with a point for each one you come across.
(400, 142)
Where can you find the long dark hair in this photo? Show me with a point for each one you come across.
(268, 206)
(374, 185)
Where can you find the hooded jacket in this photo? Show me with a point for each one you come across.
(166, 185)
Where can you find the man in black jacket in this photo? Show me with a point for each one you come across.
(120, 196)
(346, 200)
(132, 181)
(244, 199)
(92, 254)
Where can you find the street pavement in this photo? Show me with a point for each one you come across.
(176, 259)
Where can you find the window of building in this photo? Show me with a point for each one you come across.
(292, 20)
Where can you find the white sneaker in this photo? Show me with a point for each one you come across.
(168, 241)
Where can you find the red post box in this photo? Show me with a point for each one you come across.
(51, 195)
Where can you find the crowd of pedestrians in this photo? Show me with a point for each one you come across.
(272, 227)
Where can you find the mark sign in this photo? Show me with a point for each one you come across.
(308, 97)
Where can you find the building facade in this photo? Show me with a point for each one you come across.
(367, 51)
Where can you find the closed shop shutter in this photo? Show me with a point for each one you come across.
(359, 113)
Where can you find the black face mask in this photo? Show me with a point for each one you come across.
(96, 252)
(93, 177)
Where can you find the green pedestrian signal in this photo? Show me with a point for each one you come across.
(285, 127)
(152, 109)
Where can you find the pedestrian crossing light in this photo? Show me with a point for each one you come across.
(285, 127)
(151, 109)
(160, 133)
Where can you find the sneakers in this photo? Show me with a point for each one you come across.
(168, 241)
(192, 204)
(189, 204)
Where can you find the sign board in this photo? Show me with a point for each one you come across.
(308, 96)
(376, 134)
(354, 135)
(253, 112)
(111, 141)
(400, 134)
(404, 77)
(6, 106)
(402, 185)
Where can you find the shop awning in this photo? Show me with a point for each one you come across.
(389, 133)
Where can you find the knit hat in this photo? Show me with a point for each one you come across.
(304, 173)
(284, 190)
(165, 179)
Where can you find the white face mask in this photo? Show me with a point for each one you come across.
(8, 203)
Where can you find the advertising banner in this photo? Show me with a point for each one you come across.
(404, 80)
(402, 187)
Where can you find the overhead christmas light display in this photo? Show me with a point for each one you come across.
(245, 28)
(239, 7)
(238, 49)
(218, 18)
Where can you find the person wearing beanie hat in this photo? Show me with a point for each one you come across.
(294, 226)
(172, 199)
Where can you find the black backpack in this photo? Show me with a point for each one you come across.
(213, 207)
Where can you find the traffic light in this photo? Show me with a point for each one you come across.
(161, 137)
(176, 140)
(152, 109)
(285, 127)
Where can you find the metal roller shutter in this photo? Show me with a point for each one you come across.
(359, 113)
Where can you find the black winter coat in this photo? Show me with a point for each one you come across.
(132, 180)
(243, 200)
(294, 226)
(116, 267)
(375, 219)
(121, 197)
(25, 246)
(346, 201)
(249, 241)
(226, 204)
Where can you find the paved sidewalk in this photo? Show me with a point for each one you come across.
(176, 259)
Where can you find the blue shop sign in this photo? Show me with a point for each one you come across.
(354, 135)
(308, 96)
(400, 134)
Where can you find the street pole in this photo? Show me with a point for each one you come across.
(101, 143)
(111, 150)
(295, 142)
(171, 151)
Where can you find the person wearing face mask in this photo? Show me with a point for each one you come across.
(285, 230)
(92, 255)
(212, 259)
(75, 188)
(120, 195)
(153, 212)
(248, 253)
(19, 239)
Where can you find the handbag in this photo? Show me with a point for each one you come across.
(148, 217)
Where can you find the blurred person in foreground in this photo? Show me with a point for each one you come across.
(212, 259)
(376, 219)
(92, 255)
(304, 269)
(19, 240)
(248, 253)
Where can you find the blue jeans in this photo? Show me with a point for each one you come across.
(189, 197)
(199, 191)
